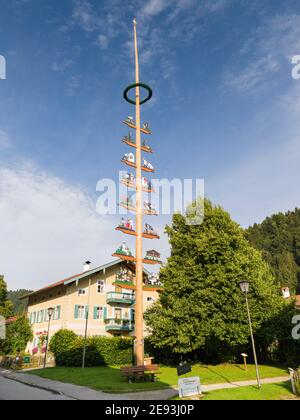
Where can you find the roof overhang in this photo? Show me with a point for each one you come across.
(81, 276)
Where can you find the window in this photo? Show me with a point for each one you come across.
(46, 315)
(80, 311)
(150, 299)
(118, 313)
(40, 316)
(81, 292)
(100, 286)
(98, 312)
(56, 313)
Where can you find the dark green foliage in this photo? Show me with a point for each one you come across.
(6, 306)
(278, 237)
(274, 340)
(19, 306)
(67, 348)
(18, 334)
(202, 310)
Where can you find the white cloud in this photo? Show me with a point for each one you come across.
(255, 73)
(5, 141)
(103, 41)
(84, 15)
(48, 229)
(267, 49)
(74, 84)
(154, 7)
(62, 66)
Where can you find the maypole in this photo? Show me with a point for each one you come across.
(139, 339)
(140, 184)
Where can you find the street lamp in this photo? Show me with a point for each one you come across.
(50, 313)
(244, 286)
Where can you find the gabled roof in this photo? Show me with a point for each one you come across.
(80, 276)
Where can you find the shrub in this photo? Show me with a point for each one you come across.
(67, 348)
(63, 341)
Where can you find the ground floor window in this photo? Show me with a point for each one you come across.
(80, 311)
(99, 312)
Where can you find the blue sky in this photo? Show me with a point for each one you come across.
(225, 109)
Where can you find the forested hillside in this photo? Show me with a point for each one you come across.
(18, 305)
(278, 237)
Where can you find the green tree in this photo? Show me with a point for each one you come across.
(18, 334)
(278, 237)
(6, 306)
(201, 306)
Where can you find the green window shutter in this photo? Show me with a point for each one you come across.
(95, 312)
(132, 315)
(105, 313)
(30, 318)
(58, 312)
(76, 312)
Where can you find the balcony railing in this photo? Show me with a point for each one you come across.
(115, 297)
(116, 324)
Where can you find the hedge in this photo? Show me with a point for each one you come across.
(67, 348)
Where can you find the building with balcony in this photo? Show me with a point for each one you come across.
(105, 295)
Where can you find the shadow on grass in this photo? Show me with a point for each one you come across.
(218, 374)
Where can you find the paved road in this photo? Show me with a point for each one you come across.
(12, 390)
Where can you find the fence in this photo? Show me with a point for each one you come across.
(26, 362)
(295, 379)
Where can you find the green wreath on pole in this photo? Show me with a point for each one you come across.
(142, 85)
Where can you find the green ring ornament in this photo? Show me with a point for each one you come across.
(143, 85)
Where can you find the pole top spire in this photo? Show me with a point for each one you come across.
(134, 21)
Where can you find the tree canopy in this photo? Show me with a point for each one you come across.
(18, 334)
(278, 237)
(6, 306)
(201, 303)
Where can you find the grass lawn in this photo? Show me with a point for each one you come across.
(110, 379)
(280, 391)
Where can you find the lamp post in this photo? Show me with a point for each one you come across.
(86, 314)
(244, 285)
(50, 313)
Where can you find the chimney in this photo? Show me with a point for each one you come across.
(86, 266)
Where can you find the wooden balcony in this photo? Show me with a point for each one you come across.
(125, 298)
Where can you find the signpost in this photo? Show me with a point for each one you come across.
(183, 368)
(244, 356)
(189, 386)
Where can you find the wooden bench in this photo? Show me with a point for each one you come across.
(134, 373)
